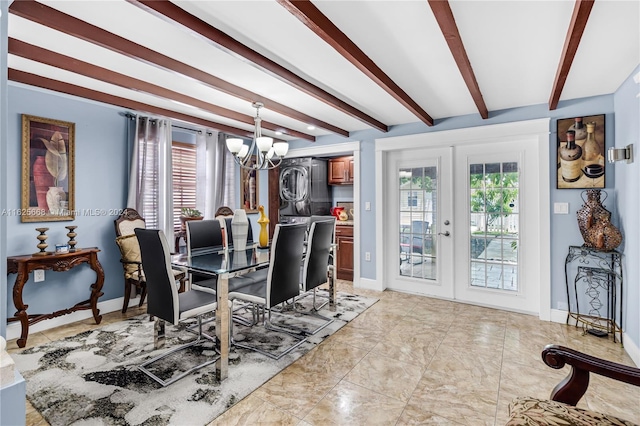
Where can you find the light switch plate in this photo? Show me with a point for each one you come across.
(560, 208)
(367, 205)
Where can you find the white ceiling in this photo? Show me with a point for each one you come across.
(514, 48)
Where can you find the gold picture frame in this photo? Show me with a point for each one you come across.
(48, 170)
(249, 187)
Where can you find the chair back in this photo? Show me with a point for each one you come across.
(203, 234)
(128, 220)
(229, 232)
(283, 277)
(162, 294)
(314, 270)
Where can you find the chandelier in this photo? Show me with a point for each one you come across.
(262, 147)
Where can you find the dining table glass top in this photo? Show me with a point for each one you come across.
(222, 260)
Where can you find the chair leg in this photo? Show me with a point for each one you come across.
(127, 294)
(143, 293)
(271, 327)
(159, 338)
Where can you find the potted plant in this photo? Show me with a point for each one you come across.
(188, 213)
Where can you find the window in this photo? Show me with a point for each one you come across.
(184, 178)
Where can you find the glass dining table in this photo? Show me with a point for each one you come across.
(227, 263)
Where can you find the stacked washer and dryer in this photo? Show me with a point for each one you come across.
(304, 189)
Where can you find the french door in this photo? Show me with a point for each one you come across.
(455, 220)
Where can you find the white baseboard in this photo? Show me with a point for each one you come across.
(629, 346)
(14, 329)
(368, 284)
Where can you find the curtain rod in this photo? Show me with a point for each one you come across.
(134, 116)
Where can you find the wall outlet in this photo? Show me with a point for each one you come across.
(367, 206)
(563, 306)
(38, 275)
(367, 256)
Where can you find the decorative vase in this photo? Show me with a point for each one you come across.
(263, 221)
(55, 195)
(42, 180)
(592, 211)
(240, 229)
(603, 235)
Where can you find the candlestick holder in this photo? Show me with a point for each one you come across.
(72, 234)
(42, 245)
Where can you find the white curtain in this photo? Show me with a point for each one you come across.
(150, 189)
(215, 174)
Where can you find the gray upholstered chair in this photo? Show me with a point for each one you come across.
(281, 284)
(165, 303)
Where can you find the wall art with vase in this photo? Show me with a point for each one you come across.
(47, 170)
(581, 152)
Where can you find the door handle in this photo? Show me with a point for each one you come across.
(445, 233)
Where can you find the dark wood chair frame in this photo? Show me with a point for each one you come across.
(131, 215)
(573, 387)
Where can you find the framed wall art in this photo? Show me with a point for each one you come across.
(48, 170)
(581, 151)
(249, 187)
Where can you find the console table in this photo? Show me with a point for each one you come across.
(597, 274)
(24, 264)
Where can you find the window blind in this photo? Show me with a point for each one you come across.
(184, 179)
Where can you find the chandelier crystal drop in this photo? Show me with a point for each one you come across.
(268, 154)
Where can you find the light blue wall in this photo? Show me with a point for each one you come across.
(627, 127)
(101, 175)
(100, 183)
(3, 161)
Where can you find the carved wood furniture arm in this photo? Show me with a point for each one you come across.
(574, 386)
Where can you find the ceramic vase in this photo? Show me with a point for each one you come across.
(55, 195)
(240, 229)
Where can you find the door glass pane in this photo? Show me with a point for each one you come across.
(417, 189)
(494, 225)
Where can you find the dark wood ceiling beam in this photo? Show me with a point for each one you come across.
(39, 54)
(52, 18)
(449, 28)
(581, 12)
(311, 16)
(83, 92)
(173, 14)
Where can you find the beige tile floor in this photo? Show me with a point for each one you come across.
(414, 360)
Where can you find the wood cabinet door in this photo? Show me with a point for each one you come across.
(344, 259)
(337, 171)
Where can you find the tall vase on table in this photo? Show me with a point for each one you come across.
(240, 229)
(263, 221)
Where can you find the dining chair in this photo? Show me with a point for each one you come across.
(127, 242)
(280, 285)
(316, 267)
(203, 235)
(166, 304)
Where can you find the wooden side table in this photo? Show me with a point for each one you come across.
(60, 262)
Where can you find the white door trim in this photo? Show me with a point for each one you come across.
(346, 148)
(476, 135)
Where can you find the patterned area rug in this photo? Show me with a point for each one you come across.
(92, 378)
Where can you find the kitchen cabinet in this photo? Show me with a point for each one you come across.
(344, 256)
(341, 170)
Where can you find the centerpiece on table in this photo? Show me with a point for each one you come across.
(187, 214)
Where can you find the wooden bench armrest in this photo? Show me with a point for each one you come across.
(574, 386)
